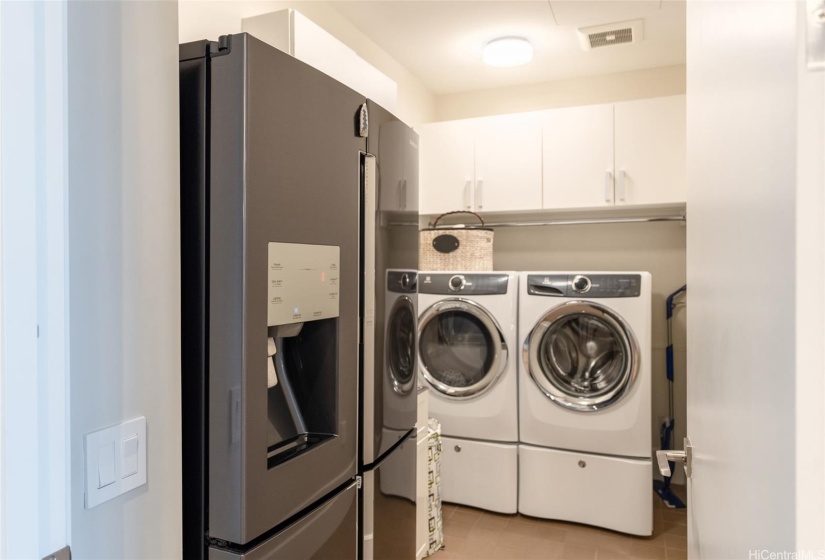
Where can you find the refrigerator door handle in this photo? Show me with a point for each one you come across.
(403, 194)
(368, 305)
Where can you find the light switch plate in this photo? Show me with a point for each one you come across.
(115, 461)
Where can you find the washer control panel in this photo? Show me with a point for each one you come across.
(471, 284)
(588, 285)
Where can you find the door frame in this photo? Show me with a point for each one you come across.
(34, 376)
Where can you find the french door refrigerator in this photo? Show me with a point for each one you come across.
(273, 239)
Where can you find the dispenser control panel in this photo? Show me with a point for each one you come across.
(303, 282)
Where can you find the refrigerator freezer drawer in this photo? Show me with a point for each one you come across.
(330, 531)
(609, 492)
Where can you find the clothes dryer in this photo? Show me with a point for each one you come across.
(467, 357)
(584, 398)
(400, 364)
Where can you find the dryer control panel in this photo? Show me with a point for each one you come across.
(585, 285)
(470, 284)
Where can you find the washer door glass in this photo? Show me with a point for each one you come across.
(583, 356)
(400, 346)
(461, 348)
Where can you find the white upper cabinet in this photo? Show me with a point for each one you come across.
(596, 156)
(650, 151)
(508, 163)
(486, 165)
(447, 167)
(578, 157)
(398, 168)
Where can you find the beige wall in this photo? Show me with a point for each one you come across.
(607, 88)
(124, 264)
(205, 19)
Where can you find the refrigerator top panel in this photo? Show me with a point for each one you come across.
(284, 172)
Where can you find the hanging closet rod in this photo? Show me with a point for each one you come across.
(572, 221)
(589, 221)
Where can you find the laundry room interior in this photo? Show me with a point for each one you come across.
(591, 233)
(462, 230)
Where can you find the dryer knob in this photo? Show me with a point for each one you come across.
(457, 283)
(581, 284)
(405, 281)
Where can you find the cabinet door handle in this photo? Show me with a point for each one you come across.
(621, 186)
(479, 191)
(608, 186)
(404, 198)
(467, 194)
(401, 194)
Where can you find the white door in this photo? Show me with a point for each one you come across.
(650, 151)
(578, 157)
(34, 404)
(508, 163)
(447, 167)
(756, 271)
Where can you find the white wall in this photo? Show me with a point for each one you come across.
(124, 264)
(607, 88)
(207, 19)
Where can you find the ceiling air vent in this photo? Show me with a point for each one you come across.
(611, 34)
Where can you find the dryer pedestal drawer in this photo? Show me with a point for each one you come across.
(608, 492)
(480, 474)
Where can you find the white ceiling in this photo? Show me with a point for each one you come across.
(440, 41)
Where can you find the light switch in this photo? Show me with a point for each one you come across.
(106, 465)
(129, 456)
(115, 461)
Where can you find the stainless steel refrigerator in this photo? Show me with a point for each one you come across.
(273, 241)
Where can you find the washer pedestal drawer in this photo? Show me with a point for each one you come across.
(480, 474)
(609, 492)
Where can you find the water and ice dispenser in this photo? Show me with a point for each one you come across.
(302, 348)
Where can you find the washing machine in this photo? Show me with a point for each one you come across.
(467, 356)
(585, 399)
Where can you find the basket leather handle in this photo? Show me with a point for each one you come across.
(435, 224)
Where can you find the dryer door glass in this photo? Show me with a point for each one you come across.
(461, 348)
(583, 356)
(401, 346)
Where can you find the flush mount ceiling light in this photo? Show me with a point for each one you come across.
(507, 51)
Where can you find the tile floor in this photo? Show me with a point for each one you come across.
(474, 534)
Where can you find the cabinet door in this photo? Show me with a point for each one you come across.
(578, 157)
(650, 151)
(508, 163)
(446, 166)
(411, 158)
